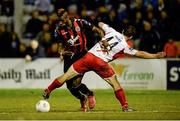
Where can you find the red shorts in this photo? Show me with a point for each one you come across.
(92, 63)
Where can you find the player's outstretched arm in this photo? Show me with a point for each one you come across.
(143, 54)
(99, 31)
(100, 24)
(103, 41)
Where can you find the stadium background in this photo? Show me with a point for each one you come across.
(158, 29)
(157, 22)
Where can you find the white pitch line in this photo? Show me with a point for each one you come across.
(101, 112)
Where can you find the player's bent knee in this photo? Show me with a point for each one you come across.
(114, 82)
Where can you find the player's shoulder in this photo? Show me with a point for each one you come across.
(59, 26)
(108, 29)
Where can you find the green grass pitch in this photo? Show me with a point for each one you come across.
(156, 105)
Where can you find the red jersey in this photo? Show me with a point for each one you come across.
(74, 38)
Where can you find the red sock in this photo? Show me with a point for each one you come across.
(55, 84)
(120, 95)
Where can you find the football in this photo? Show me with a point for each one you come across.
(42, 106)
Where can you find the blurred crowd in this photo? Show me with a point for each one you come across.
(157, 24)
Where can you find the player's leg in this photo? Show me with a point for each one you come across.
(109, 76)
(76, 83)
(80, 91)
(104, 70)
(83, 89)
(119, 93)
(118, 90)
(59, 81)
(90, 95)
(72, 86)
(73, 83)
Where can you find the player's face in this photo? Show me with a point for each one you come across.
(64, 18)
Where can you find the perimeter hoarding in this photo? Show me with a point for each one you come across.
(173, 74)
(132, 73)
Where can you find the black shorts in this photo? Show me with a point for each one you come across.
(68, 60)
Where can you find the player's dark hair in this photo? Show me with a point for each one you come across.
(60, 12)
(129, 31)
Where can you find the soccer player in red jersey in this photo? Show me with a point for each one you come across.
(72, 38)
(98, 57)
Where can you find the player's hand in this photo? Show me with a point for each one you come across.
(65, 53)
(104, 44)
(160, 54)
(68, 53)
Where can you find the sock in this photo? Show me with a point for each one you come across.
(120, 95)
(55, 84)
(83, 88)
(75, 92)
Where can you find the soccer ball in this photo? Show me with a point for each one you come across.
(42, 106)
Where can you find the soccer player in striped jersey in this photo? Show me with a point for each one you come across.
(72, 38)
(98, 57)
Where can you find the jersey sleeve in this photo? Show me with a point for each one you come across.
(57, 37)
(107, 29)
(129, 50)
